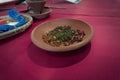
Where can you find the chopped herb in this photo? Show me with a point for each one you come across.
(63, 36)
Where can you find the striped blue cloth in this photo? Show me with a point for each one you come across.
(16, 16)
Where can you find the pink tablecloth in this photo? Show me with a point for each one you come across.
(20, 59)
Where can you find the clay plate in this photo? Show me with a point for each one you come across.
(40, 30)
(45, 13)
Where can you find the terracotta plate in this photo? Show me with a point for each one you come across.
(45, 27)
(45, 13)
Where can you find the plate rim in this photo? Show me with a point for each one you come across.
(16, 30)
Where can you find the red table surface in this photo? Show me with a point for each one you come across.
(20, 59)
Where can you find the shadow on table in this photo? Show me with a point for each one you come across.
(6, 40)
(57, 59)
